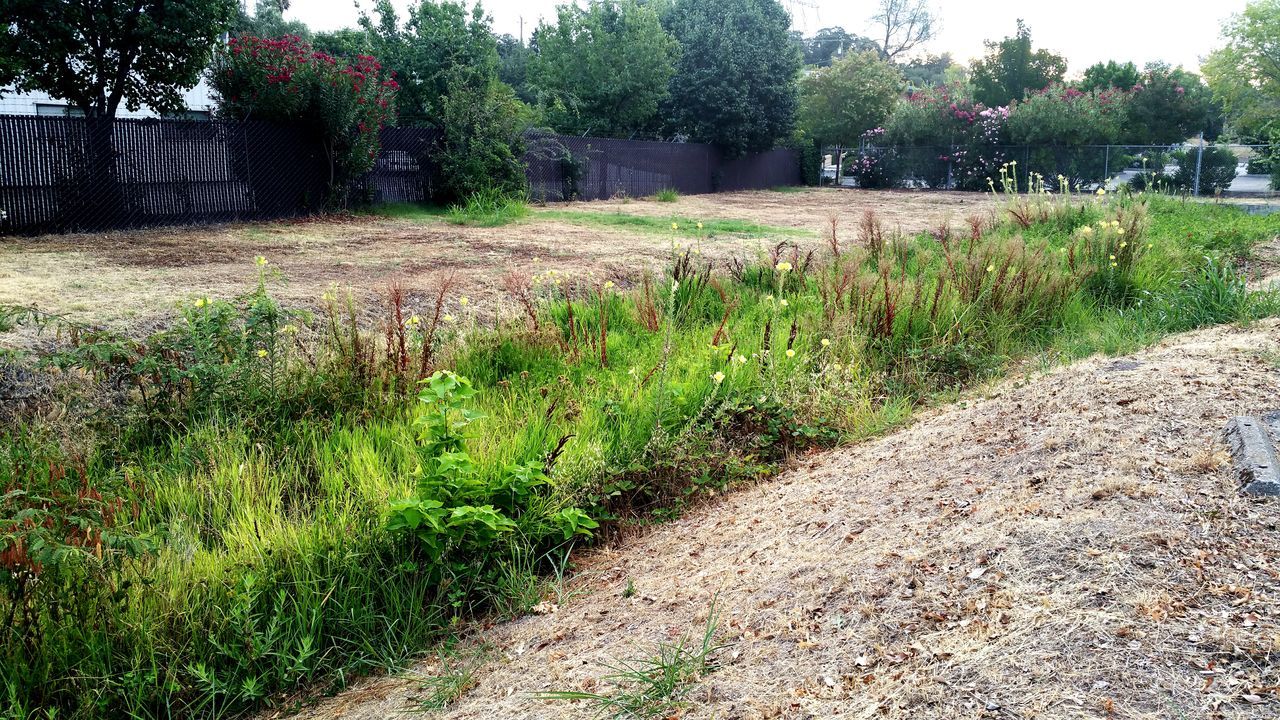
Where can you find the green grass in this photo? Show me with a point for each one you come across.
(409, 211)
(490, 208)
(684, 226)
(239, 471)
(789, 188)
(667, 195)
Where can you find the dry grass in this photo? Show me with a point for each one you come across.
(1068, 547)
(132, 281)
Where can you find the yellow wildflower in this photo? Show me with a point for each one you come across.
(791, 353)
(200, 302)
(718, 377)
(449, 318)
(783, 267)
(783, 302)
(675, 226)
(463, 301)
(260, 261)
(262, 353)
(826, 342)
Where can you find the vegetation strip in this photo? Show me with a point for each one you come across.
(256, 500)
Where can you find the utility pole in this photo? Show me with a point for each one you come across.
(522, 30)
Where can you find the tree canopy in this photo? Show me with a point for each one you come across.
(735, 82)
(855, 94)
(1245, 73)
(1111, 74)
(603, 69)
(1011, 67)
(101, 54)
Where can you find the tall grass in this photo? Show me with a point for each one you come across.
(225, 537)
(488, 208)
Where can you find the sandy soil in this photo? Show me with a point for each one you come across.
(1070, 545)
(132, 281)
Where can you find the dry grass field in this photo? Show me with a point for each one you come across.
(133, 281)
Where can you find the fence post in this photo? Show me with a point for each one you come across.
(1106, 167)
(1199, 157)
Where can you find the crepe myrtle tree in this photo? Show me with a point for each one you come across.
(341, 103)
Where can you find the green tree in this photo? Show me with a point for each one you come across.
(1245, 73)
(735, 82)
(267, 21)
(928, 71)
(1169, 105)
(101, 54)
(437, 38)
(855, 94)
(1111, 74)
(604, 69)
(513, 66)
(1011, 67)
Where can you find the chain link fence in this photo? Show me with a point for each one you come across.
(68, 174)
(1193, 168)
(561, 168)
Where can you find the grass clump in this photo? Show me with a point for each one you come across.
(667, 195)
(257, 499)
(654, 686)
(682, 226)
(488, 208)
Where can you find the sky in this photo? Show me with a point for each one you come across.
(1085, 31)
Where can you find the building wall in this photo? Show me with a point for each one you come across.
(199, 101)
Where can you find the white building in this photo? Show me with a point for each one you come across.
(199, 100)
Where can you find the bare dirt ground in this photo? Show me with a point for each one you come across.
(133, 281)
(1070, 545)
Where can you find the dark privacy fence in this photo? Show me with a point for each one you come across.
(582, 168)
(61, 174)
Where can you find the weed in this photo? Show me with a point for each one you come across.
(667, 195)
(488, 208)
(655, 686)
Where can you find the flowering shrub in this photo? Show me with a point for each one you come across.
(956, 138)
(1072, 120)
(285, 80)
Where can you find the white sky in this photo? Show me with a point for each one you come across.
(1085, 31)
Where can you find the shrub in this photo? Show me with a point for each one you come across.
(1217, 169)
(284, 80)
(951, 138)
(481, 144)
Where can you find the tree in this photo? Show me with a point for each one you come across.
(437, 38)
(1169, 105)
(101, 54)
(830, 43)
(576, 72)
(735, 82)
(903, 25)
(1100, 76)
(1245, 73)
(1011, 67)
(267, 21)
(447, 59)
(513, 66)
(855, 94)
(928, 71)
(342, 106)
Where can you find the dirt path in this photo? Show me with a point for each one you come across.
(1072, 546)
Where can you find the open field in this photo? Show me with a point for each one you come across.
(133, 281)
